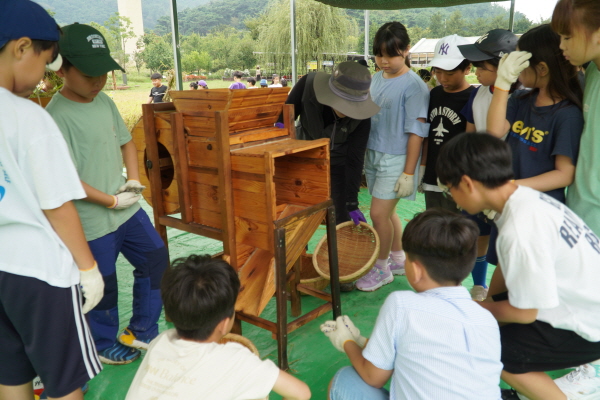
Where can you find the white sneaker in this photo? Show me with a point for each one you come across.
(479, 293)
(375, 279)
(580, 384)
(396, 268)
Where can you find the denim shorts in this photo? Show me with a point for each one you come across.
(348, 385)
(382, 170)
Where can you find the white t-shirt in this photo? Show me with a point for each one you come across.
(551, 262)
(36, 173)
(481, 105)
(181, 369)
(276, 85)
(440, 344)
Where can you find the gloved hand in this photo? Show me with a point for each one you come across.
(279, 125)
(404, 185)
(92, 287)
(360, 340)
(421, 174)
(490, 214)
(338, 333)
(357, 216)
(133, 186)
(510, 67)
(124, 200)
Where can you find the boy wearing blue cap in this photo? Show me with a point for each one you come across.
(45, 257)
(112, 219)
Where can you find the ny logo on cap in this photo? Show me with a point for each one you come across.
(97, 41)
(444, 49)
(481, 39)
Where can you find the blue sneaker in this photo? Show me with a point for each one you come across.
(128, 339)
(118, 354)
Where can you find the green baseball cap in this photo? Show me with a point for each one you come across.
(86, 48)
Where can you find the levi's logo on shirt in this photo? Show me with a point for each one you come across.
(528, 135)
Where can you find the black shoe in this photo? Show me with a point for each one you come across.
(346, 287)
(509, 394)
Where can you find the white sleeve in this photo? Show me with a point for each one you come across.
(48, 163)
(527, 258)
(382, 346)
(257, 377)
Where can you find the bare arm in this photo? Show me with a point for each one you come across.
(497, 124)
(470, 128)
(504, 312)
(150, 100)
(65, 222)
(291, 388)
(560, 177)
(424, 151)
(372, 375)
(413, 151)
(130, 160)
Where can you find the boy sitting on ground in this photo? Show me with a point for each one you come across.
(546, 293)
(199, 295)
(434, 344)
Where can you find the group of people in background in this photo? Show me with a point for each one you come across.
(510, 175)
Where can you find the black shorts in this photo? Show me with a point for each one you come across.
(43, 332)
(541, 347)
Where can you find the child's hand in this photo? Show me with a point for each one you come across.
(92, 287)
(133, 186)
(510, 67)
(124, 200)
(338, 333)
(404, 186)
(360, 340)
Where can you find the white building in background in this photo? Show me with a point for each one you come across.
(132, 9)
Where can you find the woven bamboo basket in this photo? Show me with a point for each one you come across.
(309, 275)
(233, 337)
(358, 247)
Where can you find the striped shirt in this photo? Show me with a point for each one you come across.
(440, 344)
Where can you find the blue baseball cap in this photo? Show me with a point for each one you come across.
(24, 18)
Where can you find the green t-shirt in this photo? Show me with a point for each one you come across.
(94, 133)
(583, 196)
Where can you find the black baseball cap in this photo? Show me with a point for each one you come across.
(494, 44)
(86, 48)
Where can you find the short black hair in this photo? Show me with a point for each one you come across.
(199, 292)
(39, 46)
(194, 85)
(284, 82)
(156, 75)
(444, 242)
(480, 156)
(251, 80)
(238, 74)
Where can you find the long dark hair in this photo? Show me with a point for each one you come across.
(543, 44)
(392, 37)
(571, 13)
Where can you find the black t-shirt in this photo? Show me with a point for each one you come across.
(446, 121)
(158, 93)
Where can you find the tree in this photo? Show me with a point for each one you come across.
(323, 34)
(437, 25)
(456, 24)
(157, 53)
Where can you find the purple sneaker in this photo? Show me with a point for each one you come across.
(396, 268)
(375, 279)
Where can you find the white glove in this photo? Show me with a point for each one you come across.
(133, 186)
(124, 200)
(360, 340)
(421, 174)
(92, 287)
(404, 185)
(510, 67)
(490, 214)
(338, 333)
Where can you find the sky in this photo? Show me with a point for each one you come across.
(533, 9)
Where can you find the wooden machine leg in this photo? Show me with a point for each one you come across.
(333, 262)
(281, 297)
(237, 326)
(295, 298)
